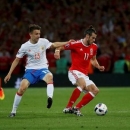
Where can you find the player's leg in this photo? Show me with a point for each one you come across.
(18, 96)
(80, 82)
(92, 92)
(48, 78)
(76, 92)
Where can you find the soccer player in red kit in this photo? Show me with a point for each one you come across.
(82, 52)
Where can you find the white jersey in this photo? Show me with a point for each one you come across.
(36, 53)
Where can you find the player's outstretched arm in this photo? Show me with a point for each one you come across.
(60, 44)
(58, 49)
(14, 64)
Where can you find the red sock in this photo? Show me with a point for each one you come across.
(85, 100)
(75, 95)
(19, 94)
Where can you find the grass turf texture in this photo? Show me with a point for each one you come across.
(32, 113)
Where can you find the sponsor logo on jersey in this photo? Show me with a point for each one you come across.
(81, 49)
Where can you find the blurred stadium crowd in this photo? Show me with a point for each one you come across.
(62, 20)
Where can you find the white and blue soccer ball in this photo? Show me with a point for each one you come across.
(100, 109)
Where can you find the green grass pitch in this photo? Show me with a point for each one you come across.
(32, 113)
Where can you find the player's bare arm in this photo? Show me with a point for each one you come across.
(96, 64)
(58, 49)
(14, 64)
(57, 52)
(58, 44)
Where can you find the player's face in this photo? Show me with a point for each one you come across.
(91, 38)
(35, 35)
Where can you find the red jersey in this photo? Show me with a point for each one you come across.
(81, 55)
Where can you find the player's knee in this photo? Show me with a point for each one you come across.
(96, 91)
(49, 78)
(22, 90)
(82, 86)
(23, 86)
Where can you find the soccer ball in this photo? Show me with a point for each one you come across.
(100, 109)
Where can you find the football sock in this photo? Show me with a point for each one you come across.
(75, 95)
(50, 90)
(17, 100)
(85, 100)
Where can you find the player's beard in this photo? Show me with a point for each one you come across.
(88, 42)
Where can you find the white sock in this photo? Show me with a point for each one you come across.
(17, 100)
(50, 90)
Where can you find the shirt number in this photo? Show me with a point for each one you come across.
(86, 56)
(37, 55)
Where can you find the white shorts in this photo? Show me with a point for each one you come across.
(73, 75)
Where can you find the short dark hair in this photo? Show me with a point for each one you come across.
(90, 30)
(33, 27)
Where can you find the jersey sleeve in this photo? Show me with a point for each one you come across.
(69, 46)
(21, 52)
(47, 43)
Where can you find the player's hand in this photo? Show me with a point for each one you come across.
(57, 54)
(101, 68)
(7, 78)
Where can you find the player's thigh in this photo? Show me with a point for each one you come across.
(81, 82)
(77, 78)
(48, 77)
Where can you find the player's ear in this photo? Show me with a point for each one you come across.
(87, 36)
(30, 34)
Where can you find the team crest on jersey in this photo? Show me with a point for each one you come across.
(91, 51)
(42, 48)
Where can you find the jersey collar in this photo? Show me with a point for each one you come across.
(83, 43)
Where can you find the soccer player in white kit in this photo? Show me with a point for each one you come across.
(37, 65)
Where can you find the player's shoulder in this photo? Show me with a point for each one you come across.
(43, 40)
(25, 44)
(94, 45)
(76, 42)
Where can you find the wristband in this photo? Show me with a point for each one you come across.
(57, 50)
